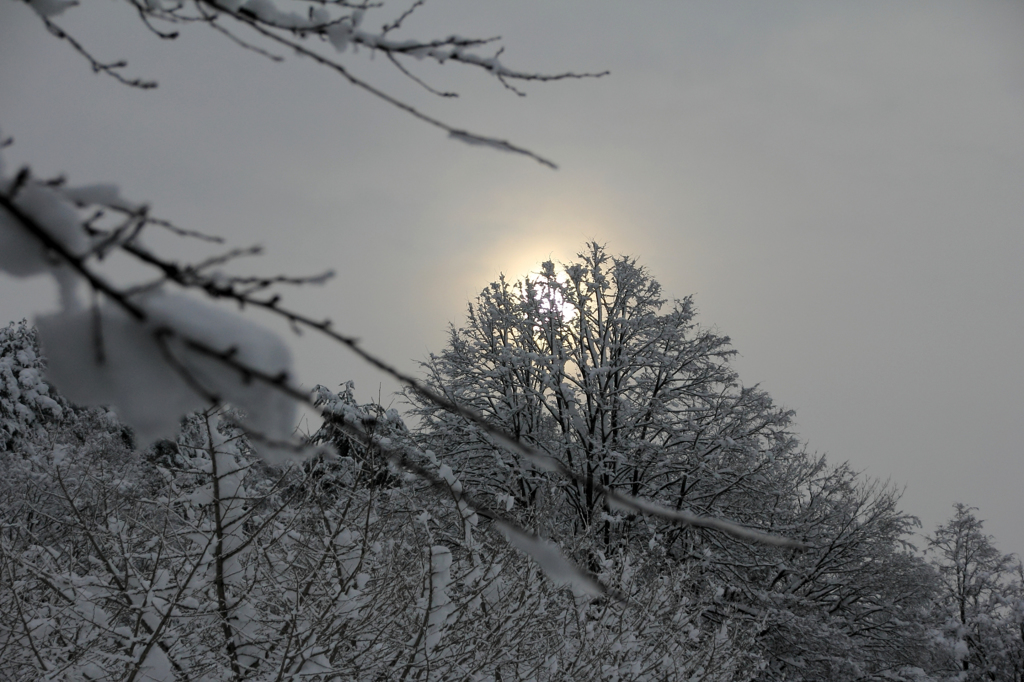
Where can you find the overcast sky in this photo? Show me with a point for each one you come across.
(841, 185)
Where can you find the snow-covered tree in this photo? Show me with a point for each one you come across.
(982, 597)
(857, 602)
(197, 561)
(590, 365)
(594, 408)
(26, 402)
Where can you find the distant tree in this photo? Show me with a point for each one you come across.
(983, 599)
(856, 604)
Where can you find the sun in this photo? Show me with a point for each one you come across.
(549, 293)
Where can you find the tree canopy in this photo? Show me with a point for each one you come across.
(590, 364)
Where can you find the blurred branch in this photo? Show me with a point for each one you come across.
(289, 30)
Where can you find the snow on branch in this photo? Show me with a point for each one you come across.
(157, 356)
(336, 24)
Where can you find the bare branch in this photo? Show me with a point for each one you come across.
(402, 17)
(111, 68)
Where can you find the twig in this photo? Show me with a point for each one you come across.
(386, 28)
(417, 80)
(452, 132)
(99, 67)
(71, 259)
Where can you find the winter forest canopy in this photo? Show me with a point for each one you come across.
(580, 486)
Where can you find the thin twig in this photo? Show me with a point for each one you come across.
(76, 263)
(462, 135)
(99, 67)
(397, 23)
(417, 80)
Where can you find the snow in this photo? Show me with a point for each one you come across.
(268, 411)
(131, 376)
(267, 11)
(120, 362)
(51, 8)
(479, 140)
(339, 35)
(156, 667)
(440, 606)
(550, 559)
(104, 194)
(21, 254)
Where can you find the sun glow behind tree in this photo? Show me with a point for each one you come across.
(546, 287)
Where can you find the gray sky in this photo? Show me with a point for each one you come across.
(841, 185)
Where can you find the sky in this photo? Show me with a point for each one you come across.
(840, 186)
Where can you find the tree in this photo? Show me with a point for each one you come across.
(207, 563)
(120, 342)
(584, 365)
(26, 403)
(197, 561)
(856, 604)
(590, 365)
(982, 592)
